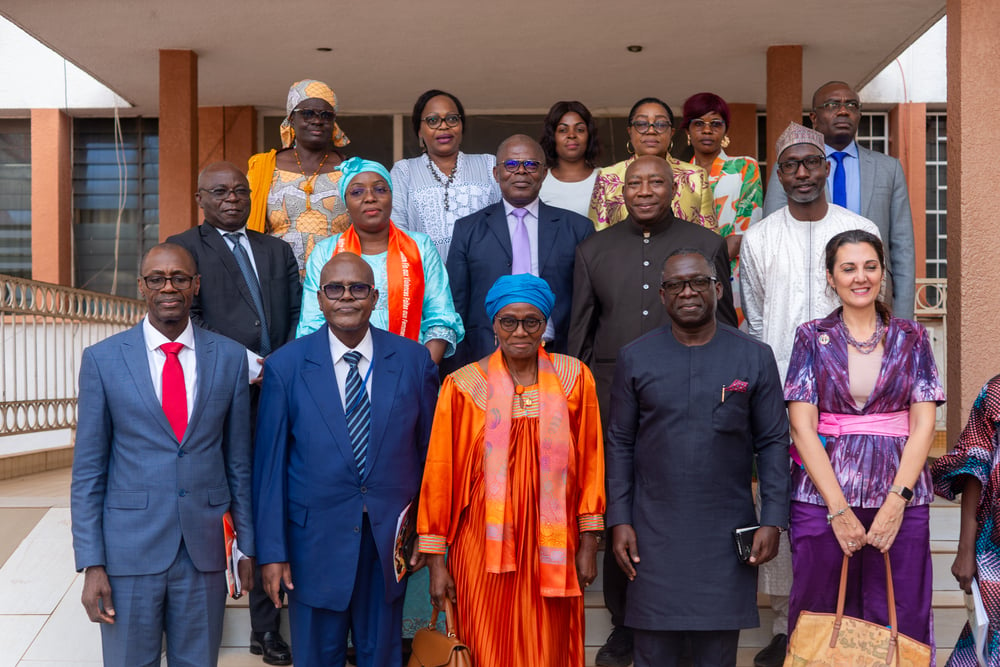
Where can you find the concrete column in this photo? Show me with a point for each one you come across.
(784, 92)
(742, 130)
(973, 245)
(51, 197)
(226, 133)
(908, 144)
(178, 140)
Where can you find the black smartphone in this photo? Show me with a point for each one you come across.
(744, 541)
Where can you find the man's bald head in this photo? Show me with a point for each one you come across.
(520, 169)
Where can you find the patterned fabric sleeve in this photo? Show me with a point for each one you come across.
(974, 452)
(606, 199)
(400, 175)
(926, 383)
(800, 381)
(439, 320)
(750, 208)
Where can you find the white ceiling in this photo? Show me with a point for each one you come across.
(513, 56)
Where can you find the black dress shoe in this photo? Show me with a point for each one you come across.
(272, 647)
(617, 650)
(772, 655)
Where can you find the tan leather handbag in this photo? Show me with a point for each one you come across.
(829, 640)
(434, 649)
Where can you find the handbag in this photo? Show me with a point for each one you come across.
(432, 648)
(837, 640)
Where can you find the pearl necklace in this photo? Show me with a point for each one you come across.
(443, 183)
(307, 187)
(866, 346)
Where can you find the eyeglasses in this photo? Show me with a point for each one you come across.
(812, 163)
(179, 281)
(530, 166)
(335, 291)
(529, 324)
(451, 120)
(309, 115)
(698, 284)
(379, 190)
(837, 105)
(715, 125)
(221, 193)
(644, 126)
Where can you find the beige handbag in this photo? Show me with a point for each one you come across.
(835, 640)
(434, 649)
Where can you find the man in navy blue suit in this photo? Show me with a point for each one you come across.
(339, 454)
(519, 234)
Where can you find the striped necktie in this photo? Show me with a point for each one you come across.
(243, 260)
(357, 411)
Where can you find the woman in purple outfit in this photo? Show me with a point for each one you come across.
(862, 388)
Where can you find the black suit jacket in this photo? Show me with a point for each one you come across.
(480, 253)
(224, 304)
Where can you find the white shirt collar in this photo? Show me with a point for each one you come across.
(222, 232)
(532, 208)
(338, 349)
(154, 339)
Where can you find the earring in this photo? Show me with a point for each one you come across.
(688, 138)
(496, 341)
(725, 141)
(629, 148)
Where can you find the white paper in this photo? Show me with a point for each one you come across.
(979, 622)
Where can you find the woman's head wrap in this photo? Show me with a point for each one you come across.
(520, 288)
(353, 167)
(305, 90)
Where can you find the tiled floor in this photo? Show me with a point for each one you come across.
(42, 623)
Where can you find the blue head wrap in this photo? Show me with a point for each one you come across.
(353, 167)
(520, 288)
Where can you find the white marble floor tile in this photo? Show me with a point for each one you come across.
(68, 635)
(40, 571)
(16, 634)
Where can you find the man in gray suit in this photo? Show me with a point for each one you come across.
(162, 453)
(868, 183)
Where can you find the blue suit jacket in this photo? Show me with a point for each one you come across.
(309, 497)
(480, 253)
(137, 491)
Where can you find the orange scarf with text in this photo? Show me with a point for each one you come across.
(405, 277)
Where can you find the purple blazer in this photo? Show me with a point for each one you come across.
(865, 465)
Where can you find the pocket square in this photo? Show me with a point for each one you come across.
(738, 386)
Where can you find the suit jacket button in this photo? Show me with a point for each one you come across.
(356, 529)
(257, 323)
(182, 493)
(364, 489)
(180, 453)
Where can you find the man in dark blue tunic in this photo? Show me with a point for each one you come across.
(693, 404)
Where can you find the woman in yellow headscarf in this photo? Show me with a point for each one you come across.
(295, 195)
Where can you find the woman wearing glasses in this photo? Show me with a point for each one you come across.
(414, 299)
(443, 184)
(569, 139)
(650, 130)
(735, 181)
(295, 195)
(517, 500)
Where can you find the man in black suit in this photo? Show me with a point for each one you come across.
(519, 234)
(250, 292)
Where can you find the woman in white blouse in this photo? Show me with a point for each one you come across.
(443, 184)
(569, 138)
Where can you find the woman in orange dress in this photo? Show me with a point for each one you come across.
(517, 500)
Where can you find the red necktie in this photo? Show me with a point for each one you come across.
(174, 392)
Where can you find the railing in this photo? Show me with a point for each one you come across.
(931, 297)
(43, 331)
(930, 308)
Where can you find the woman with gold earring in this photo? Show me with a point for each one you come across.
(650, 131)
(294, 192)
(735, 181)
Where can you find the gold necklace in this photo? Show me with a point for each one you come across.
(519, 387)
(307, 187)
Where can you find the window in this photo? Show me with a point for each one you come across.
(15, 197)
(107, 253)
(937, 195)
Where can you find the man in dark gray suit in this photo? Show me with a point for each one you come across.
(250, 292)
(870, 184)
(162, 452)
(519, 234)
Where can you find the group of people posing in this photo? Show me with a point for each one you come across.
(528, 356)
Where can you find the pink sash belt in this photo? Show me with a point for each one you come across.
(893, 424)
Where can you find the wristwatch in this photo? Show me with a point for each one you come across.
(905, 493)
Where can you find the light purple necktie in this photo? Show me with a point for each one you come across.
(520, 244)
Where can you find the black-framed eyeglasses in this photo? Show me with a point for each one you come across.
(698, 284)
(309, 115)
(529, 324)
(837, 105)
(334, 291)
(643, 126)
(715, 125)
(812, 163)
(530, 166)
(179, 281)
(434, 122)
(222, 193)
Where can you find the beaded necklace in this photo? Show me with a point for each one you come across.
(866, 346)
(445, 184)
